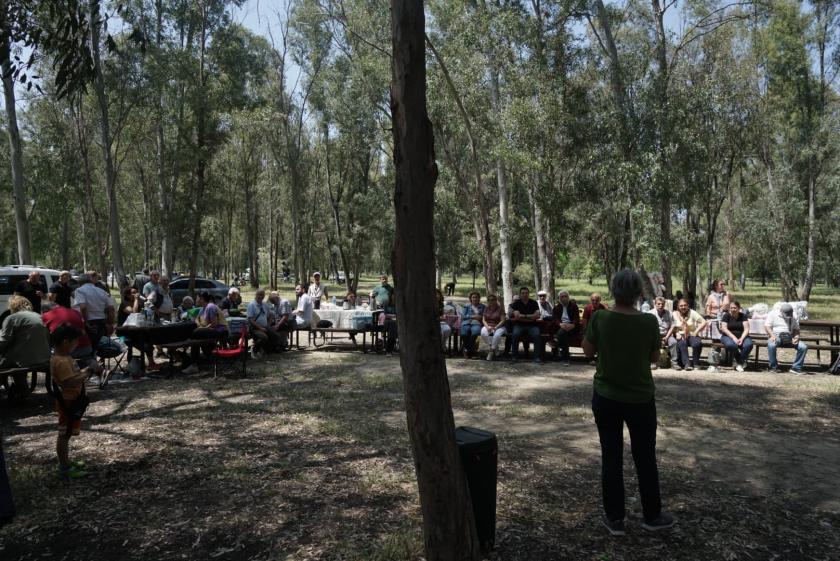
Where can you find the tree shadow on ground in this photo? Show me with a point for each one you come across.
(309, 459)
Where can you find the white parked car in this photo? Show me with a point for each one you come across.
(11, 275)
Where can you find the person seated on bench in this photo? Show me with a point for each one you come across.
(666, 330)
(304, 310)
(593, 306)
(690, 325)
(783, 331)
(211, 326)
(260, 320)
(471, 315)
(525, 313)
(283, 322)
(445, 329)
(567, 318)
(494, 325)
(54, 315)
(24, 340)
(735, 335)
(546, 308)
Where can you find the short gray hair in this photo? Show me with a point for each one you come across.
(626, 287)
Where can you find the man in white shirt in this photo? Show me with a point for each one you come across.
(782, 329)
(97, 308)
(260, 320)
(317, 290)
(303, 312)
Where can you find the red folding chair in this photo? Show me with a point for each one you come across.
(234, 354)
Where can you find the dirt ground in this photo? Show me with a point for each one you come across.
(308, 458)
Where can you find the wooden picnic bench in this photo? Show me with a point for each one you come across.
(317, 334)
(761, 343)
(32, 371)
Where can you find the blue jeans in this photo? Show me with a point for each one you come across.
(798, 362)
(696, 346)
(745, 349)
(533, 332)
(469, 332)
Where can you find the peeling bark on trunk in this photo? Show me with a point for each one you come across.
(24, 246)
(105, 133)
(448, 524)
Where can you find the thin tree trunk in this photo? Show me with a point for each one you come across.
(448, 524)
(105, 133)
(810, 268)
(504, 204)
(24, 246)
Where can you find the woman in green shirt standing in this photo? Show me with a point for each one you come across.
(626, 342)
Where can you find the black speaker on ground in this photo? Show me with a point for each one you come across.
(479, 452)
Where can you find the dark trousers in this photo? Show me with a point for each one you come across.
(268, 340)
(391, 330)
(696, 346)
(96, 331)
(533, 332)
(610, 416)
(212, 336)
(563, 339)
(7, 505)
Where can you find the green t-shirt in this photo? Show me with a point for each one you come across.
(382, 294)
(624, 345)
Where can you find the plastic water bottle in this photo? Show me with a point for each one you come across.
(333, 300)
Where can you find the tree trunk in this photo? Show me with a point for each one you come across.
(504, 204)
(808, 281)
(24, 246)
(448, 524)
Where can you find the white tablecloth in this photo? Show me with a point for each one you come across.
(341, 319)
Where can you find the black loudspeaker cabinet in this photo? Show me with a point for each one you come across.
(479, 451)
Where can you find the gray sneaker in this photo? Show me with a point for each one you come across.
(773, 370)
(614, 527)
(663, 521)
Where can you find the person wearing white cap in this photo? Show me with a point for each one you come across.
(317, 290)
(545, 305)
(782, 329)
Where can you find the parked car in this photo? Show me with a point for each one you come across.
(11, 275)
(179, 288)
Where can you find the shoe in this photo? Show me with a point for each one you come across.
(712, 368)
(676, 367)
(72, 472)
(654, 367)
(490, 356)
(689, 368)
(796, 371)
(191, 369)
(614, 527)
(661, 522)
(773, 370)
(739, 368)
(466, 353)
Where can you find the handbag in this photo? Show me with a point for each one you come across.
(784, 339)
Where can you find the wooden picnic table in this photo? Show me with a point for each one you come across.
(833, 328)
